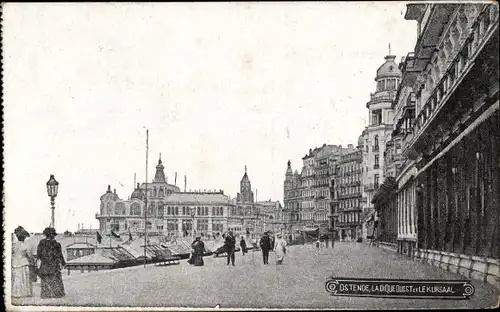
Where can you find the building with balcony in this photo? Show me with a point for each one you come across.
(376, 135)
(387, 80)
(455, 137)
(308, 195)
(395, 200)
(347, 187)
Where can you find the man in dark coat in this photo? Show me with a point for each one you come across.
(243, 245)
(230, 246)
(265, 245)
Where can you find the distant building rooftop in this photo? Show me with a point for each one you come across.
(198, 197)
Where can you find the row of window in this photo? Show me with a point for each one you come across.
(199, 211)
(160, 192)
(349, 169)
(187, 225)
(387, 84)
(135, 208)
(349, 217)
(350, 190)
(307, 205)
(348, 180)
(317, 217)
(324, 193)
(349, 203)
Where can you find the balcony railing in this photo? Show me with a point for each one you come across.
(349, 195)
(376, 166)
(457, 69)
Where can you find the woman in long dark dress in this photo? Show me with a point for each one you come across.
(198, 251)
(49, 253)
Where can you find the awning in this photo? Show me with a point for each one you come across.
(386, 189)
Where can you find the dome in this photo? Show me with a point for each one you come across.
(137, 193)
(389, 68)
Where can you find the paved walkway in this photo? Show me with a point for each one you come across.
(299, 283)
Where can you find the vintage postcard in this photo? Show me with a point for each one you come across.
(251, 155)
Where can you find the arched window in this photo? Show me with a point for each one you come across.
(109, 208)
(102, 208)
(135, 209)
(151, 208)
(160, 210)
(120, 208)
(161, 192)
(376, 142)
(154, 191)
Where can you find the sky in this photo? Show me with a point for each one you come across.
(218, 85)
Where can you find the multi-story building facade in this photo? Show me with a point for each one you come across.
(455, 138)
(204, 211)
(308, 195)
(443, 205)
(292, 198)
(377, 133)
(348, 192)
(123, 216)
(171, 212)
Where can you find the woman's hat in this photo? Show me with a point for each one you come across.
(20, 231)
(49, 232)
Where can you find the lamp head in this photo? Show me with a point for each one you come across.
(52, 186)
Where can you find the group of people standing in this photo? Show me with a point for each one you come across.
(267, 243)
(46, 264)
(277, 245)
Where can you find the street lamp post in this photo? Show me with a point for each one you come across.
(193, 213)
(52, 188)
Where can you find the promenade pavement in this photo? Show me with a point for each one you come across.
(298, 283)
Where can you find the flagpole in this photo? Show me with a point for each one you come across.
(146, 198)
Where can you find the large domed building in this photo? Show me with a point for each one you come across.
(381, 115)
(123, 216)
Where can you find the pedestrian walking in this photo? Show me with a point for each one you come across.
(265, 245)
(280, 249)
(230, 246)
(51, 260)
(243, 245)
(198, 250)
(23, 265)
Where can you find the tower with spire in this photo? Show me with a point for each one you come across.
(246, 194)
(121, 215)
(159, 175)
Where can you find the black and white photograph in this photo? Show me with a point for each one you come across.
(251, 155)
